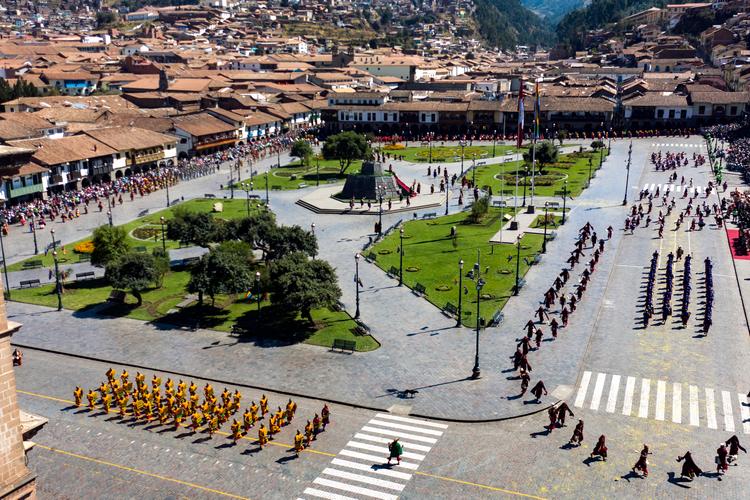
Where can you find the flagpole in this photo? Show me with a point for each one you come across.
(536, 138)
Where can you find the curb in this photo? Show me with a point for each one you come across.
(269, 389)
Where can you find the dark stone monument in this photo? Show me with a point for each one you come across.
(370, 183)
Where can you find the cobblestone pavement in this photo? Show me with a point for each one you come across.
(80, 454)
(410, 328)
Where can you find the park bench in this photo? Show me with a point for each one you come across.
(32, 264)
(116, 296)
(537, 259)
(419, 289)
(143, 213)
(190, 260)
(498, 203)
(393, 272)
(371, 257)
(302, 185)
(29, 284)
(88, 275)
(430, 215)
(175, 202)
(450, 310)
(337, 306)
(551, 235)
(54, 245)
(254, 196)
(470, 274)
(209, 195)
(276, 187)
(239, 330)
(140, 249)
(521, 283)
(497, 318)
(84, 257)
(344, 345)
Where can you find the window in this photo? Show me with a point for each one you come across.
(671, 113)
(683, 114)
(660, 113)
(701, 110)
(733, 110)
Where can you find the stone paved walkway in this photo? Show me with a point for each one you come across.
(421, 348)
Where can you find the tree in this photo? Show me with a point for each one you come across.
(105, 18)
(110, 243)
(546, 153)
(301, 149)
(479, 209)
(134, 271)
(285, 240)
(346, 147)
(224, 269)
(300, 285)
(597, 145)
(161, 260)
(195, 228)
(256, 229)
(562, 135)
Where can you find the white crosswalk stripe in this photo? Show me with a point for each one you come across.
(654, 402)
(672, 188)
(675, 145)
(361, 470)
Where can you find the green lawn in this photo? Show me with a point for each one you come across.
(574, 168)
(160, 305)
(431, 258)
(421, 154)
(296, 176)
(553, 221)
(146, 231)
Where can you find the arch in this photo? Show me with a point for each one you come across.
(182, 155)
(118, 174)
(85, 182)
(128, 172)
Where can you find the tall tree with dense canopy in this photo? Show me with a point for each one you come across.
(110, 243)
(299, 284)
(346, 147)
(134, 271)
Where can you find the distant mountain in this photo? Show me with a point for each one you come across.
(553, 10)
(507, 23)
(598, 14)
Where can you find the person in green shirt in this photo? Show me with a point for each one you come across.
(396, 451)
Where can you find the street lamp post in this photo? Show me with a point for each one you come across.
(474, 169)
(312, 228)
(380, 213)
(247, 188)
(475, 372)
(257, 291)
(544, 241)
(33, 230)
(525, 176)
(5, 266)
(429, 138)
(401, 259)
(460, 289)
(588, 182)
(267, 174)
(54, 243)
(163, 235)
(462, 143)
(494, 141)
(167, 183)
(317, 169)
(356, 284)
(109, 216)
(446, 197)
(58, 289)
(627, 174)
(565, 198)
(518, 263)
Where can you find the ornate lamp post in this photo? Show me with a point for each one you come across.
(109, 216)
(475, 372)
(356, 284)
(58, 288)
(5, 265)
(401, 259)
(460, 289)
(33, 231)
(518, 263)
(257, 291)
(163, 235)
